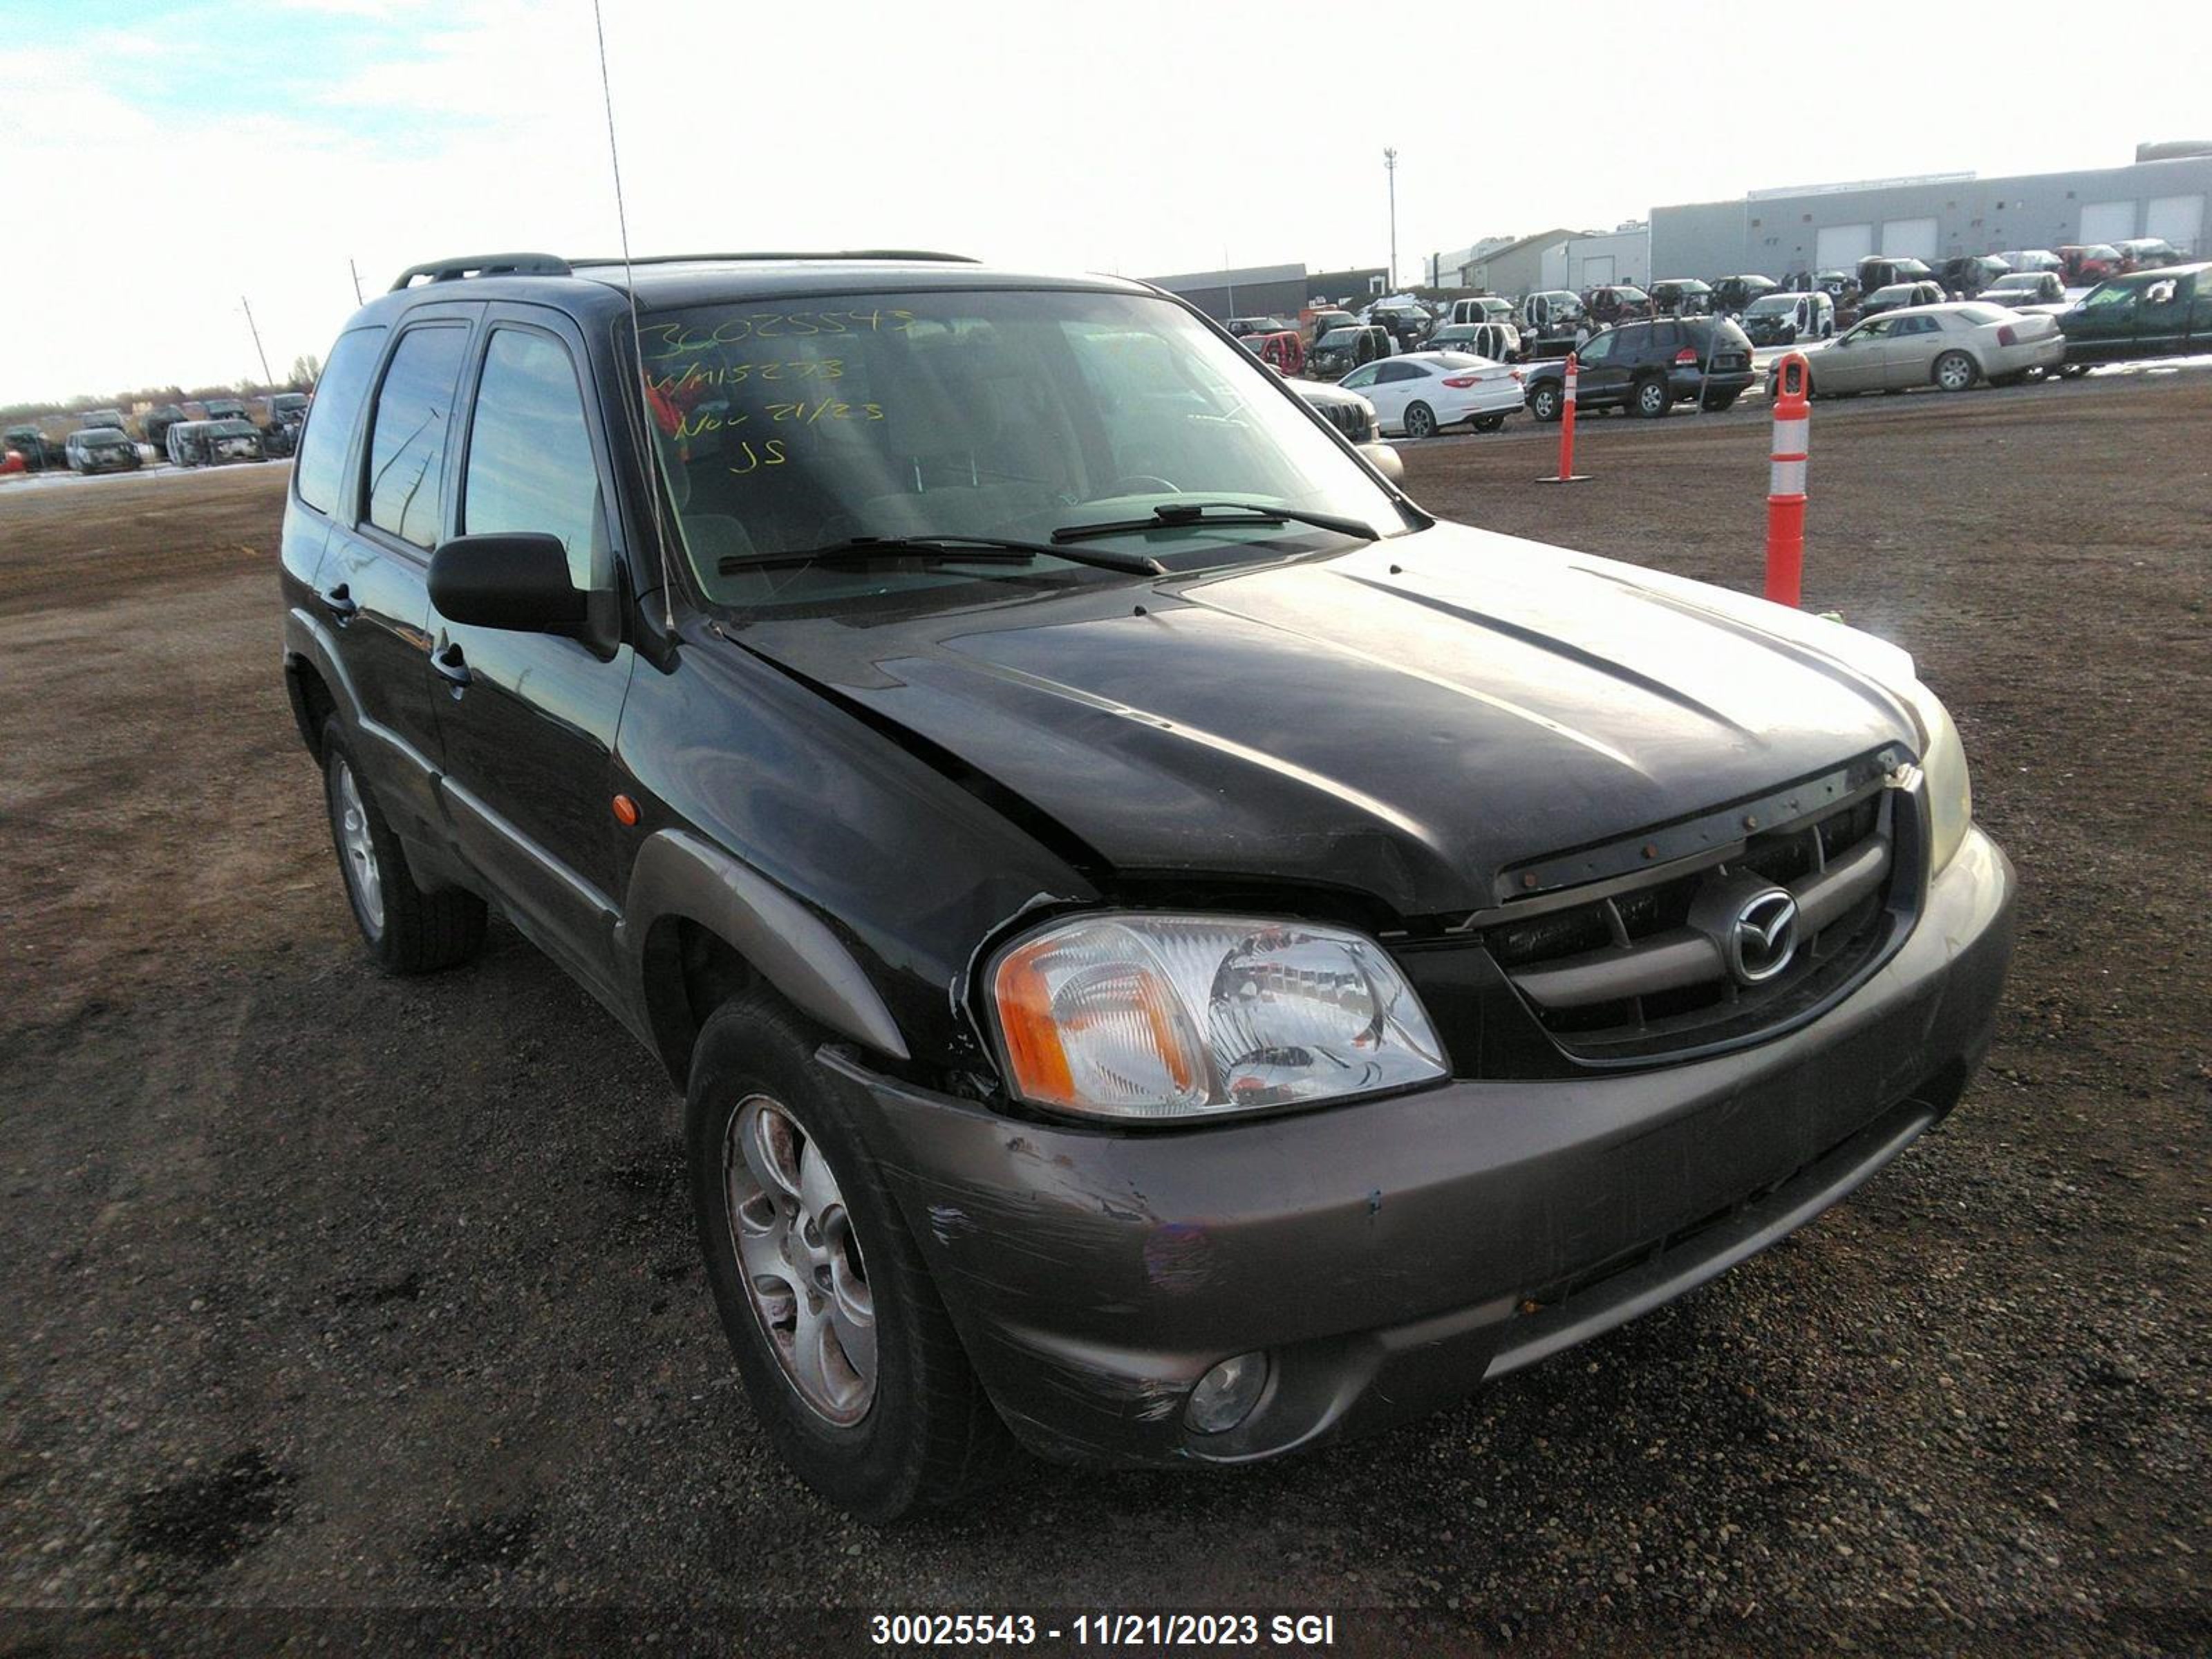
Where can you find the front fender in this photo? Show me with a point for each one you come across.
(677, 875)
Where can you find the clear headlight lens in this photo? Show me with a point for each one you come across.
(1182, 1017)
(1950, 792)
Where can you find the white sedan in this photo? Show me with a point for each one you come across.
(1423, 392)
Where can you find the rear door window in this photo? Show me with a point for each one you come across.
(408, 432)
(318, 475)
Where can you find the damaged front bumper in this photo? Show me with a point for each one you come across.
(1389, 1256)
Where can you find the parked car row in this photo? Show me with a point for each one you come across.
(1682, 341)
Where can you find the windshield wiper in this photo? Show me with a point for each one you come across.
(965, 550)
(1178, 515)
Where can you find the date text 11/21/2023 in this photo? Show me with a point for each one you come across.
(1299, 1631)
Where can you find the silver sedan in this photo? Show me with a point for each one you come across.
(1949, 347)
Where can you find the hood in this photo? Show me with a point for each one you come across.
(1408, 721)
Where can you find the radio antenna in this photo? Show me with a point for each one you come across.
(637, 337)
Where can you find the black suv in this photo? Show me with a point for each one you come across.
(1171, 953)
(1649, 367)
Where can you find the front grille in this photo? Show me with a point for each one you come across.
(1642, 968)
(1350, 419)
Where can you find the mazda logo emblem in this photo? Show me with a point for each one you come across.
(1765, 937)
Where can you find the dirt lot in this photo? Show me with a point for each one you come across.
(323, 1290)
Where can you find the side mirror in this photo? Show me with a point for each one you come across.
(1385, 460)
(518, 582)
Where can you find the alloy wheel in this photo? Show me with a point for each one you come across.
(363, 878)
(803, 1268)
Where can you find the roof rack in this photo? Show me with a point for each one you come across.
(907, 253)
(484, 265)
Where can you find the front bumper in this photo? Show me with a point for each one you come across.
(1390, 1255)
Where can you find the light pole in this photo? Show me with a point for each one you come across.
(1390, 169)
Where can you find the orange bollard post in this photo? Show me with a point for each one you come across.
(1785, 487)
(1567, 473)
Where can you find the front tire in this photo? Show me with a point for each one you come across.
(1420, 421)
(1547, 402)
(849, 1358)
(1489, 422)
(1954, 371)
(407, 930)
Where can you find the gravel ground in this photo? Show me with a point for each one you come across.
(341, 1298)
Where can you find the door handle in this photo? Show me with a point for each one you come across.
(452, 665)
(341, 603)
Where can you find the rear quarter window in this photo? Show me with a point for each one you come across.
(319, 471)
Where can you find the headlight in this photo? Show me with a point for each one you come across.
(1192, 1017)
(1943, 759)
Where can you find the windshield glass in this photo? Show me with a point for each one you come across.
(789, 426)
(1772, 305)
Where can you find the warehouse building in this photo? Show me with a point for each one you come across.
(1273, 291)
(1779, 233)
(1249, 291)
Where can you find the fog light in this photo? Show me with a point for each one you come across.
(1224, 1396)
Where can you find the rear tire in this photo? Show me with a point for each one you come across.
(407, 930)
(921, 1432)
(1954, 371)
(1489, 422)
(1420, 421)
(1653, 399)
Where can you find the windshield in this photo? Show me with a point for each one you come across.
(788, 426)
(1773, 305)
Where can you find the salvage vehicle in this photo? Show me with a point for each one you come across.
(2166, 312)
(1284, 351)
(2081, 265)
(110, 418)
(40, 453)
(155, 424)
(1340, 350)
(1475, 308)
(1328, 322)
(1649, 368)
(1879, 270)
(1784, 318)
(1421, 394)
(2033, 258)
(224, 409)
(1616, 303)
(1681, 296)
(1499, 342)
(101, 449)
(1172, 955)
(1950, 347)
(1966, 276)
(1733, 295)
(213, 443)
(1551, 314)
(2022, 290)
(1241, 326)
(1897, 295)
(2146, 253)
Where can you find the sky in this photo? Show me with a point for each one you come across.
(168, 159)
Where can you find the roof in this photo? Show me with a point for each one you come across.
(1542, 238)
(675, 281)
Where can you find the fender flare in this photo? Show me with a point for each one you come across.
(677, 875)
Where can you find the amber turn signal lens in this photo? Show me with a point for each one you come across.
(625, 810)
